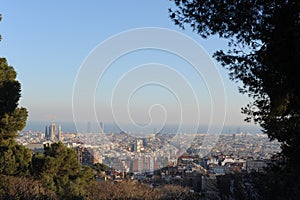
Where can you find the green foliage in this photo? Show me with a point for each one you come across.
(99, 167)
(14, 158)
(12, 118)
(59, 170)
(263, 53)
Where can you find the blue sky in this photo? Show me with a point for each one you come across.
(47, 42)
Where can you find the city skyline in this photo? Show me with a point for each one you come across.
(89, 127)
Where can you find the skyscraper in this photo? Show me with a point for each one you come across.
(52, 134)
(138, 145)
(52, 131)
(101, 127)
(47, 133)
(59, 133)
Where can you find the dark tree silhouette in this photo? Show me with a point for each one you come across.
(263, 53)
(12, 118)
(60, 171)
(14, 158)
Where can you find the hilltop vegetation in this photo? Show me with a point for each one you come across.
(263, 54)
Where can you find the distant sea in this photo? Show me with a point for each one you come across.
(69, 127)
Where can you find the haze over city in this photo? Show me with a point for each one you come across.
(47, 44)
(152, 100)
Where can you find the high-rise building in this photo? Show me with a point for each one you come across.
(138, 146)
(59, 137)
(49, 132)
(143, 164)
(52, 134)
(52, 131)
(85, 155)
(101, 127)
(47, 136)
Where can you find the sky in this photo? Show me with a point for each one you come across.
(50, 43)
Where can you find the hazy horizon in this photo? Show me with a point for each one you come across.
(159, 75)
(49, 55)
(69, 127)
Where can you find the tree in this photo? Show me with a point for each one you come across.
(263, 53)
(12, 118)
(24, 188)
(100, 167)
(59, 170)
(14, 158)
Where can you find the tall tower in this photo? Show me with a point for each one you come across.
(49, 132)
(101, 127)
(138, 145)
(52, 131)
(46, 133)
(59, 133)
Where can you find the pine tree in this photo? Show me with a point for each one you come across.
(14, 158)
(60, 171)
(263, 53)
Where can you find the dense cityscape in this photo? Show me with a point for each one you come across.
(158, 159)
(171, 79)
